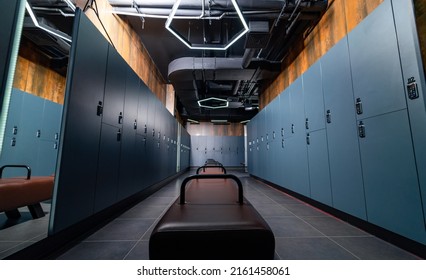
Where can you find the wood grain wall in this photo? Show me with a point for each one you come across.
(209, 129)
(341, 17)
(420, 10)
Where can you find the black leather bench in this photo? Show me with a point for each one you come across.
(211, 220)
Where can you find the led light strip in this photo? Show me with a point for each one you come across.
(213, 107)
(206, 47)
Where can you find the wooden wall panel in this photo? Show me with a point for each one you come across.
(340, 18)
(209, 129)
(34, 76)
(420, 9)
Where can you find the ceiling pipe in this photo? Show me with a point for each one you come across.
(247, 57)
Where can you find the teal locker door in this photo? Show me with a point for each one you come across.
(313, 96)
(14, 114)
(240, 150)
(129, 178)
(343, 147)
(218, 149)
(46, 158)
(249, 147)
(107, 182)
(390, 178)
(262, 143)
(376, 68)
(319, 171)
(285, 115)
(115, 87)
(273, 119)
(142, 120)
(284, 143)
(30, 132)
(51, 121)
(211, 150)
(152, 155)
(298, 154)
(194, 150)
(413, 69)
(81, 126)
(256, 134)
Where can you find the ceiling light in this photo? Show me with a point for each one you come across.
(219, 121)
(210, 103)
(193, 121)
(35, 22)
(217, 47)
(243, 122)
(70, 4)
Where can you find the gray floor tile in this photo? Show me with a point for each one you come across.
(25, 231)
(304, 210)
(122, 229)
(139, 252)
(143, 212)
(332, 226)
(320, 248)
(115, 250)
(291, 227)
(270, 210)
(8, 248)
(372, 248)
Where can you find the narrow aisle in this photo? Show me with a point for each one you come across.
(301, 231)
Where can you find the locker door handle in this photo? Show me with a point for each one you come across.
(292, 128)
(120, 118)
(99, 109)
(38, 133)
(135, 125)
(13, 142)
(56, 136)
(146, 129)
(358, 106)
(267, 146)
(282, 143)
(273, 134)
(119, 135)
(307, 123)
(282, 132)
(328, 116)
(361, 129)
(308, 139)
(55, 146)
(15, 130)
(153, 132)
(158, 144)
(267, 136)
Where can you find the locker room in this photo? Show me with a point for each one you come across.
(226, 129)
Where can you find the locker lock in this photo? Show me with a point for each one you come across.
(273, 134)
(292, 128)
(119, 135)
(13, 142)
(361, 129)
(282, 132)
(120, 118)
(135, 124)
(99, 109)
(15, 130)
(146, 129)
(307, 123)
(412, 89)
(358, 106)
(308, 139)
(328, 116)
(38, 133)
(282, 143)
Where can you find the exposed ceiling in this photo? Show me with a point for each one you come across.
(236, 74)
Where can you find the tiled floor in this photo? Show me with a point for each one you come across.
(301, 231)
(15, 236)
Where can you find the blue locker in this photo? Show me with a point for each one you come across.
(81, 126)
(413, 68)
(115, 86)
(142, 120)
(274, 127)
(51, 121)
(319, 170)
(313, 96)
(375, 64)
(262, 158)
(344, 157)
(46, 158)
(107, 182)
(285, 115)
(194, 150)
(296, 144)
(390, 177)
(250, 147)
(14, 114)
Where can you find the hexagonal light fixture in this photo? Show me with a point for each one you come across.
(216, 47)
(210, 103)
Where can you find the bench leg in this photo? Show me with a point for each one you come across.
(13, 214)
(36, 211)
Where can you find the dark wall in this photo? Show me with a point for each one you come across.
(117, 138)
(347, 132)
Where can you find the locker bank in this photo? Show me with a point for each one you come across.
(306, 120)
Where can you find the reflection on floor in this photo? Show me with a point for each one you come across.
(301, 231)
(20, 233)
